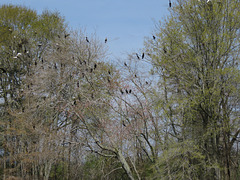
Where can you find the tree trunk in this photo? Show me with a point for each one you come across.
(125, 164)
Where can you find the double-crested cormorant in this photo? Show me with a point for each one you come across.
(66, 35)
(105, 40)
(121, 91)
(87, 39)
(3, 70)
(154, 37)
(137, 56)
(142, 55)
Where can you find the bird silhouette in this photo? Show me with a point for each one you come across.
(137, 56)
(105, 40)
(142, 55)
(66, 35)
(121, 91)
(3, 70)
(109, 72)
(95, 66)
(164, 50)
(125, 64)
(154, 37)
(87, 40)
(126, 91)
(130, 91)
(170, 4)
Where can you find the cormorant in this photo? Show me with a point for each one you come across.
(87, 39)
(137, 56)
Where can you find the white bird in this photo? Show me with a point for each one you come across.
(17, 56)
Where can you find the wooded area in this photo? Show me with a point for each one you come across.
(169, 111)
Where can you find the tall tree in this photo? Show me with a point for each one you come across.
(196, 55)
(25, 35)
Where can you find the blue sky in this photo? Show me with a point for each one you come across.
(124, 22)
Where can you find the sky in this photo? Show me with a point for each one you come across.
(125, 23)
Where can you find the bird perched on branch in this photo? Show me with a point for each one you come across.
(137, 56)
(17, 56)
(87, 40)
(105, 40)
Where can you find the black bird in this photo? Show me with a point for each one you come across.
(154, 37)
(3, 70)
(135, 76)
(87, 39)
(130, 91)
(137, 56)
(146, 82)
(170, 4)
(121, 91)
(126, 91)
(91, 70)
(66, 35)
(142, 55)
(95, 66)
(125, 64)
(109, 72)
(105, 40)
(75, 102)
(78, 84)
(164, 50)
(123, 124)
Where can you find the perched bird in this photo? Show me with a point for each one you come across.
(66, 35)
(95, 66)
(121, 91)
(170, 4)
(109, 72)
(142, 55)
(126, 91)
(164, 50)
(130, 91)
(137, 56)
(146, 82)
(17, 56)
(87, 40)
(125, 64)
(154, 37)
(3, 70)
(105, 40)
(78, 84)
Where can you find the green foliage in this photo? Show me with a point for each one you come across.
(196, 54)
